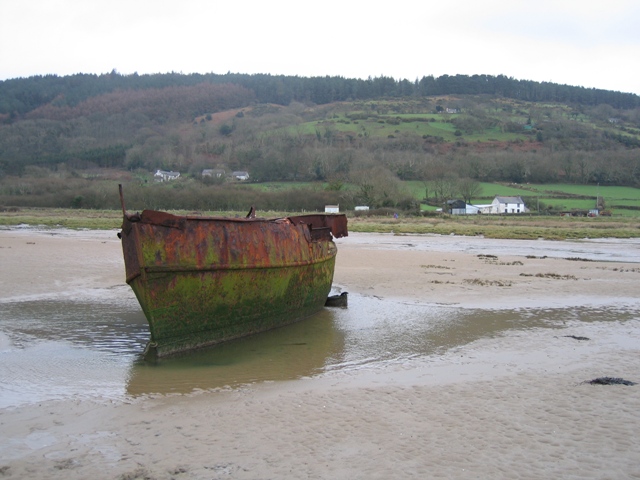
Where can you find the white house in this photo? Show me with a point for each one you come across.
(508, 205)
(499, 205)
(332, 209)
(240, 175)
(164, 176)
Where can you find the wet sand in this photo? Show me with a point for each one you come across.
(507, 407)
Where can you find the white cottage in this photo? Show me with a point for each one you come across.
(508, 205)
(164, 176)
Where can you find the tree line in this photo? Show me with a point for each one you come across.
(21, 95)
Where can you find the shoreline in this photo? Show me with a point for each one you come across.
(507, 406)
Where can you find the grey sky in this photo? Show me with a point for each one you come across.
(584, 43)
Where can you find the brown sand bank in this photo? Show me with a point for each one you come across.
(507, 407)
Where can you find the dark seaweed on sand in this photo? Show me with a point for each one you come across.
(577, 338)
(609, 381)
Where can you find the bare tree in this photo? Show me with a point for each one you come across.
(445, 187)
(378, 187)
(468, 188)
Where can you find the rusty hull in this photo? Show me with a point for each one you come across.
(206, 280)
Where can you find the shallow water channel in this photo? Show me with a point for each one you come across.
(89, 348)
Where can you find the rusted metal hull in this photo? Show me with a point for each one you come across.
(206, 280)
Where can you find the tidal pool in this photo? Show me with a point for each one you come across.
(89, 348)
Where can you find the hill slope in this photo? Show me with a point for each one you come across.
(370, 133)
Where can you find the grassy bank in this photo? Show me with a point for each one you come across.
(522, 227)
(518, 227)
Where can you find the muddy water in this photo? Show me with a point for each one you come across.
(86, 348)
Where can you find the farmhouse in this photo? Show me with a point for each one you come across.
(498, 206)
(508, 205)
(164, 176)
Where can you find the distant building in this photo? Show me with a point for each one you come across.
(332, 209)
(362, 208)
(164, 176)
(213, 172)
(240, 176)
(456, 207)
(508, 205)
(460, 207)
(498, 206)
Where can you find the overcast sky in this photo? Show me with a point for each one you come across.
(584, 43)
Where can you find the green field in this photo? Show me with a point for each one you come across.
(621, 201)
(391, 125)
(570, 197)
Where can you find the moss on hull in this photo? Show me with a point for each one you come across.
(195, 309)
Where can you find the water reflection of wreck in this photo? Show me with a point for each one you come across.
(206, 280)
(299, 350)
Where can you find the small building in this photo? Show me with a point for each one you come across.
(362, 208)
(240, 175)
(456, 207)
(332, 209)
(165, 176)
(508, 205)
(460, 207)
(213, 172)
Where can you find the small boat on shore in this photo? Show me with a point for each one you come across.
(206, 280)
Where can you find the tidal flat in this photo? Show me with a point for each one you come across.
(458, 356)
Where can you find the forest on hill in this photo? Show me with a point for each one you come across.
(59, 134)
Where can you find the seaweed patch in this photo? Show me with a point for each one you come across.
(609, 381)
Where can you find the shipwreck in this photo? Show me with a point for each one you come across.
(206, 280)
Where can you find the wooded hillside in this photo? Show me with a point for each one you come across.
(369, 133)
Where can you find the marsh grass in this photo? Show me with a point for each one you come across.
(510, 227)
(520, 227)
(63, 218)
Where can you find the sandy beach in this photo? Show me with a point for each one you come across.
(508, 406)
